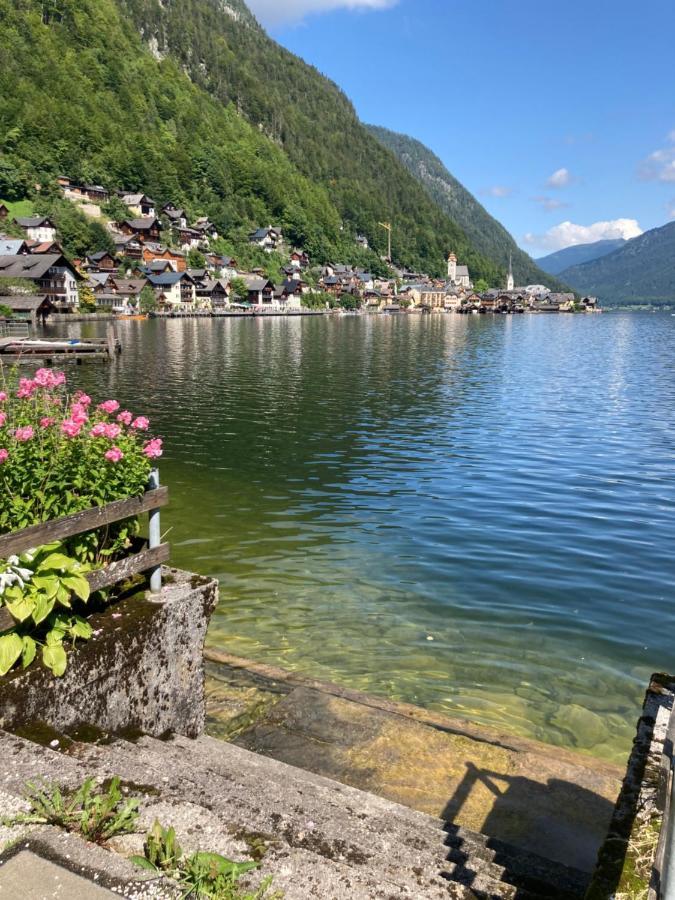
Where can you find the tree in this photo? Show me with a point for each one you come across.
(87, 299)
(147, 300)
(481, 286)
(349, 301)
(196, 260)
(239, 289)
(5, 312)
(115, 210)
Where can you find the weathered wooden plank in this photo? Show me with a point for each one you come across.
(112, 574)
(130, 565)
(58, 529)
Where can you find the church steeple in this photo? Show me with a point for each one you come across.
(509, 280)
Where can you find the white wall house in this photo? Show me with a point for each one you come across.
(37, 228)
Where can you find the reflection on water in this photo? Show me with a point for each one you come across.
(472, 514)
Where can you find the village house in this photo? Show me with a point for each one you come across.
(30, 307)
(127, 245)
(260, 290)
(175, 289)
(214, 292)
(139, 204)
(37, 228)
(101, 262)
(362, 241)
(206, 229)
(176, 215)
(152, 252)
(12, 247)
(4, 212)
(269, 239)
(94, 193)
(52, 275)
(299, 260)
(144, 229)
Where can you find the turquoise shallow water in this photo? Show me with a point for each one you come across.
(474, 514)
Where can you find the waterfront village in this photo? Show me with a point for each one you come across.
(163, 265)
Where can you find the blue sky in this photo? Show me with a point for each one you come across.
(559, 115)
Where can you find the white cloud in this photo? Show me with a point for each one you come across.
(660, 165)
(550, 203)
(282, 12)
(567, 234)
(561, 178)
(498, 190)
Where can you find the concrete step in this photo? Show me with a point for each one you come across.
(391, 840)
(324, 839)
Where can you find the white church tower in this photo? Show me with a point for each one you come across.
(509, 280)
(452, 267)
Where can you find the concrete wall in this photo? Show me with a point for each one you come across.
(142, 670)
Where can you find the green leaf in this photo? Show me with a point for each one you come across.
(79, 585)
(58, 561)
(11, 646)
(54, 657)
(143, 863)
(43, 607)
(220, 865)
(81, 628)
(29, 650)
(22, 608)
(48, 584)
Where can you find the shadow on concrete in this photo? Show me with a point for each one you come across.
(538, 850)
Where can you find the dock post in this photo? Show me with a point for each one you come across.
(112, 342)
(154, 536)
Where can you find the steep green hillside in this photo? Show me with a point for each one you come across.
(207, 111)
(641, 271)
(556, 262)
(486, 234)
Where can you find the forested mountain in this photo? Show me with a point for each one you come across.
(190, 100)
(641, 271)
(485, 233)
(556, 262)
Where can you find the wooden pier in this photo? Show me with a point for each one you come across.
(44, 351)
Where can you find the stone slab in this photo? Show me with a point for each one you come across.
(31, 877)
(142, 671)
(548, 801)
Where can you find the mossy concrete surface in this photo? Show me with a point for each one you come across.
(541, 799)
(142, 670)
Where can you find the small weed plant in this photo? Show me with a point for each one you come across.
(202, 876)
(96, 814)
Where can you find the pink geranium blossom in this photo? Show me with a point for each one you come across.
(26, 388)
(125, 417)
(3, 418)
(4, 456)
(109, 406)
(3, 396)
(114, 455)
(24, 434)
(98, 430)
(78, 413)
(48, 378)
(140, 423)
(46, 422)
(82, 399)
(71, 428)
(112, 431)
(153, 448)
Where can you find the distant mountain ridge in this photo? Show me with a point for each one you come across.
(557, 262)
(641, 271)
(486, 234)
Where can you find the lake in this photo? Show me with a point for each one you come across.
(473, 514)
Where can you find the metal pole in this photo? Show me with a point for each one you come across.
(154, 536)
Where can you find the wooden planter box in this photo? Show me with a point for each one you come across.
(17, 542)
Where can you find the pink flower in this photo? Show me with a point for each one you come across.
(125, 417)
(153, 448)
(24, 434)
(71, 428)
(3, 418)
(114, 455)
(112, 431)
(78, 413)
(98, 430)
(3, 396)
(48, 378)
(4, 456)
(109, 406)
(82, 399)
(46, 422)
(141, 423)
(26, 388)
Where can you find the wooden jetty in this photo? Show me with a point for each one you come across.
(58, 350)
